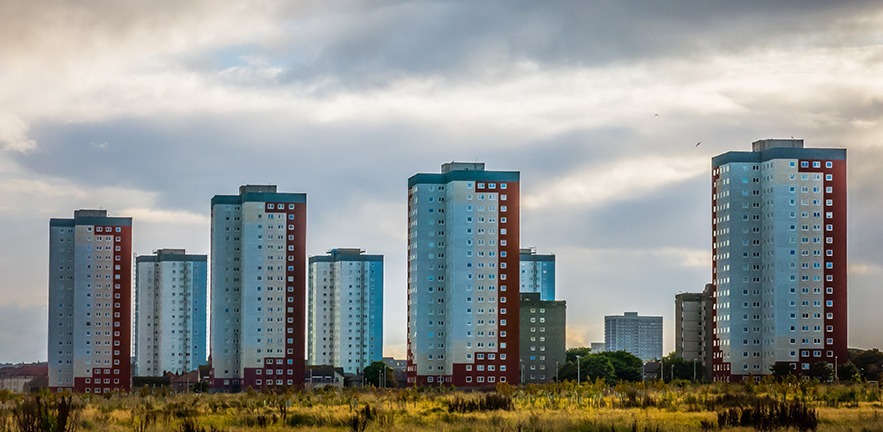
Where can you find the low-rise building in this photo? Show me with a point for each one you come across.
(24, 378)
(320, 376)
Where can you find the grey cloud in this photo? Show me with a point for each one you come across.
(612, 255)
(375, 43)
(201, 155)
(23, 335)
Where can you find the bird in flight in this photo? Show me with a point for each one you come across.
(697, 144)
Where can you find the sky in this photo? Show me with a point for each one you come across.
(148, 109)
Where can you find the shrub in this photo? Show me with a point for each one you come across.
(191, 425)
(360, 420)
(37, 414)
(488, 402)
(769, 415)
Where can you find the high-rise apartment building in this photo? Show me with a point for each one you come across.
(693, 315)
(779, 258)
(537, 273)
(345, 309)
(259, 270)
(639, 335)
(689, 326)
(463, 276)
(543, 337)
(171, 330)
(90, 302)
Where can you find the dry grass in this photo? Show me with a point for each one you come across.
(551, 408)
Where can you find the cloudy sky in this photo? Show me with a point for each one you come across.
(148, 109)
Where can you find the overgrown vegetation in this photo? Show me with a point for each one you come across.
(589, 406)
(45, 414)
(486, 402)
(767, 415)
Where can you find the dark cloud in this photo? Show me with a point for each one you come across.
(376, 43)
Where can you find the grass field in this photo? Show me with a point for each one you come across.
(554, 407)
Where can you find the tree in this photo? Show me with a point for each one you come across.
(821, 371)
(683, 369)
(847, 372)
(870, 362)
(626, 366)
(595, 366)
(781, 371)
(374, 372)
(568, 371)
(572, 353)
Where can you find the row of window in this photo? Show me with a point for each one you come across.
(279, 206)
(489, 185)
(106, 229)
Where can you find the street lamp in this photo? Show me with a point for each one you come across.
(577, 370)
(662, 370)
(836, 377)
(522, 371)
(694, 370)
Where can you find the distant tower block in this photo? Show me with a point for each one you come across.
(170, 312)
(345, 311)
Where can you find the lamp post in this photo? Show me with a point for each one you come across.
(577, 370)
(671, 375)
(694, 370)
(556, 371)
(836, 377)
(522, 371)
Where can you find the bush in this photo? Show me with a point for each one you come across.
(360, 420)
(488, 402)
(769, 415)
(37, 414)
(191, 425)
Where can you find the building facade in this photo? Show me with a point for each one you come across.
(463, 277)
(693, 328)
(779, 258)
(543, 337)
(689, 326)
(639, 335)
(259, 270)
(90, 302)
(171, 330)
(345, 309)
(537, 273)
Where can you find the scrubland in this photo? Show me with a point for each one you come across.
(651, 406)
